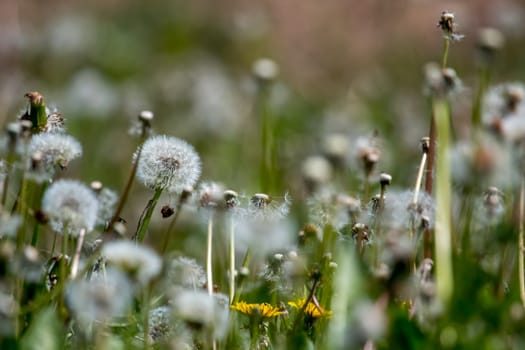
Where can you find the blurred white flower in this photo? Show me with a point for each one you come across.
(56, 150)
(141, 263)
(71, 206)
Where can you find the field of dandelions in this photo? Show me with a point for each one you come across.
(339, 239)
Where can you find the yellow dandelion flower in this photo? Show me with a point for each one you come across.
(311, 309)
(262, 309)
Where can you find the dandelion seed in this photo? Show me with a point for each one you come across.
(168, 163)
(141, 263)
(71, 206)
(263, 310)
(56, 150)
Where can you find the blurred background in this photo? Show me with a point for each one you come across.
(346, 66)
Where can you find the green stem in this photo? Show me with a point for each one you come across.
(521, 246)
(232, 259)
(145, 310)
(209, 256)
(445, 52)
(245, 264)
(443, 203)
(167, 235)
(267, 147)
(484, 78)
(129, 183)
(145, 218)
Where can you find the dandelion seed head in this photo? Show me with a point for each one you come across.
(28, 264)
(501, 102)
(185, 272)
(211, 195)
(203, 311)
(71, 206)
(56, 150)
(107, 200)
(441, 82)
(168, 163)
(316, 171)
(105, 296)
(141, 263)
(160, 325)
(335, 147)
(9, 224)
(265, 69)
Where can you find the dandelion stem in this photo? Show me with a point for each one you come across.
(209, 272)
(145, 218)
(419, 179)
(521, 247)
(124, 196)
(443, 203)
(445, 52)
(232, 258)
(167, 235)
(76, 257)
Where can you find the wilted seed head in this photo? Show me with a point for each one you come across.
(262, 206)
(265, 69)
(425, 144)
(493, 204)
(70, 206)
(168, 163)
(316, 171)
(260, 200)
(185, 272)
(105, 296)
(449, 26)
(385, 179)
(141, 263)
(166, 211)
(441, 82)
(57, 150)
(368, 153)
(231, 198)
(424, 271)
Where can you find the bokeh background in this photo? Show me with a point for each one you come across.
(345, 66)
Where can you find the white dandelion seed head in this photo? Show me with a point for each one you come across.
(211, 195)
(70, 205)
(168, 163)
(141, 263)
(264, 235)
(160, 325)
(9, 224)
(208, 311)
(56, 150)
(186, 272)
(105, 296)
(399, 212)
(107, 200)
(503, 101)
